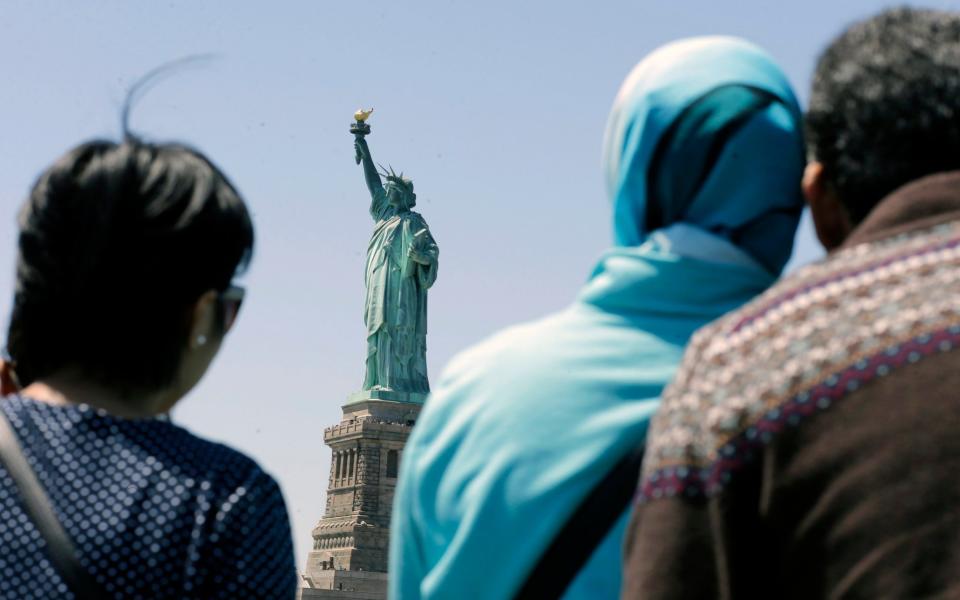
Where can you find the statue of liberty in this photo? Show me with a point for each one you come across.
(401, 267)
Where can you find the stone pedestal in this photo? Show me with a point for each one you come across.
(350, 543)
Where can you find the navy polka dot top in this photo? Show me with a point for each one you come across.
(154, 511)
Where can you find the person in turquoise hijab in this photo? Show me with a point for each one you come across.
(703, 157)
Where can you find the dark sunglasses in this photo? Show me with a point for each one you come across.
(231, 299)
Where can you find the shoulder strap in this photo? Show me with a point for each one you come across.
(40, 510)
(585, 529)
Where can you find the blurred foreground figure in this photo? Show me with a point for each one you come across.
(518, 475)
(124, 294)
(810, 445)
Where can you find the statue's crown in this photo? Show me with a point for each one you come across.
(392, 177)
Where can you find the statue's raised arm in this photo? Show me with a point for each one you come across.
(360, 129)
(374, 183)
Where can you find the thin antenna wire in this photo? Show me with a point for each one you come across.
(151, 78)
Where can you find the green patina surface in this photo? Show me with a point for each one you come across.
(401, 267)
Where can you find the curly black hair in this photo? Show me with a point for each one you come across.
(885, 104)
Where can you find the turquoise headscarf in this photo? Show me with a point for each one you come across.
(704, 146)
(707, 131)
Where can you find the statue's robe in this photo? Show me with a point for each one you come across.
(396, 303)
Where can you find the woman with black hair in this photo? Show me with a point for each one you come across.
(124, 293)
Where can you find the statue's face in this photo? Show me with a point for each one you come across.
(394, 195)
(398, 197)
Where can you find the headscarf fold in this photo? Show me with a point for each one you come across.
(707, 131)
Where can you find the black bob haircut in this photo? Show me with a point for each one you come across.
(117, 242)
(885, 104)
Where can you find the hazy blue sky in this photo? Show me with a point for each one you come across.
(496, 109)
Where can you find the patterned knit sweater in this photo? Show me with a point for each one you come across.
(810, 444)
